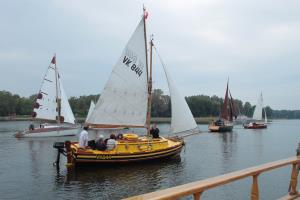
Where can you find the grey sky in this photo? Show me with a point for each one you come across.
(254, 43)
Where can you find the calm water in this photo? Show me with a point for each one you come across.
(26, 170)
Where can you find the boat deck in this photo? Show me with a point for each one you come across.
(139, 145)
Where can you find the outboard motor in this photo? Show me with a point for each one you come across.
(60, 150)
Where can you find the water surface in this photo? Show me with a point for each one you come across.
(27, 171)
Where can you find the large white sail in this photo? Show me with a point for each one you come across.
(257, 115)
(123, 101)
(45, 106)
(92, 106)
(182, 117)
(66, 111)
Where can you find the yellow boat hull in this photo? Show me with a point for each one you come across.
(139, 149)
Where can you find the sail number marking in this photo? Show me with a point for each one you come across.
(103, 157)
(132, 62)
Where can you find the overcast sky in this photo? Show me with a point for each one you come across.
(203, 42)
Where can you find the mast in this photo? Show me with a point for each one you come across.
(58, 100)
(149, 74)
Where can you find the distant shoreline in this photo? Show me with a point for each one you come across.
(199, 120)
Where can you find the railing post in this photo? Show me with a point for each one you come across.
(255, 190)
(294, 180)
(197, 196)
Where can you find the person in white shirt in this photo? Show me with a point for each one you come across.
(83, 138)
(111, 142)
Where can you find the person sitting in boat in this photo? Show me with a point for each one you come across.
(154, 131)
(31, 127)
(100, 144)
(120, 136)
(111, 142)
(83, 137)
(219, 122)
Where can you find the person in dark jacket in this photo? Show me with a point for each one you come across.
(100, 143)
(154, 131)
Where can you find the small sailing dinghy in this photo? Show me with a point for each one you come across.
(228, 113)
(257, 119)
(51, 106)
(126, 103)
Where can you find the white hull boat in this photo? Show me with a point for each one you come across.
(51, 105)
(51, 131)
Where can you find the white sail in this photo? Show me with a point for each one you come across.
(92, 106)
(123, 101)
(182, 117)
(45, 106)
(257, 115)
(266, 119)
(66, 111)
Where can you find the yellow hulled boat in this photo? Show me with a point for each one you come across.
(126, 102)
(127, 150)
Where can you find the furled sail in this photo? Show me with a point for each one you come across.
(92, 106)
(182, 117)
(67, 115)
(45, 105)
(257, 115)
(123, 101)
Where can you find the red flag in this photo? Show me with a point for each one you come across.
(145, 14)
(53, 61)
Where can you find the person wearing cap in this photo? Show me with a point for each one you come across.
(100, 144)
(83, 137)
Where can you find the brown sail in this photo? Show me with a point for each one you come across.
(229, 110)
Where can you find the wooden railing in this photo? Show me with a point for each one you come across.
(198, 187)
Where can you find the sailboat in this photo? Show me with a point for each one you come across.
(228, 113)
(257, 119)
(51, 106)
(126, 103)
(92, 106)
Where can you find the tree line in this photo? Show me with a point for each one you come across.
(200, 105)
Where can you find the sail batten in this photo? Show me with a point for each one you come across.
(123, 101)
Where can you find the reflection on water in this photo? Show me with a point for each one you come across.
(27, 165)
(228, 146)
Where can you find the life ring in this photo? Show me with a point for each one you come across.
(130, 136)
